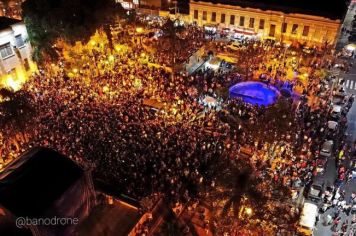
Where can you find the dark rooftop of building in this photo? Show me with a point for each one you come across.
(332, 9)
(34, 181)
(6, 22)
(109, 220)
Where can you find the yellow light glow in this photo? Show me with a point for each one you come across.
(143, 54)
(111, 58)
(12, 84)
(14, 80)
(306, 75)
(248, 211)
(75, 70)
(118, 48)
(139, 29)
(351, 47)
(92, 42)
(106, 88)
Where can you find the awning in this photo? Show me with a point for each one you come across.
(245, 32)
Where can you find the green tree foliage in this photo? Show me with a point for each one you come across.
(69, 20)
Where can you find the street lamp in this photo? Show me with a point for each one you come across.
(248, 211)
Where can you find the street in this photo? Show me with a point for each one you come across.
(330, 174)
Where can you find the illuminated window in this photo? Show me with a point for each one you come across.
(213, 16)
(251, 23)
(306, 31)
(6, 50)
(232, 20)
(222, 20)
(294, 29)
(196, 14)
(205, 15)
(284, 27)
(262, 24)
(242, 20)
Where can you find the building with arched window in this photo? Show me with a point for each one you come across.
(275, 21)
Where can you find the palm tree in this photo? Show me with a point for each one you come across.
(16, 111)
(242, 185)
(173, 42)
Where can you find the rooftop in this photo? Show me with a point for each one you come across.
(32, 183)
(110, 220)
(330, 9)
(6, 22)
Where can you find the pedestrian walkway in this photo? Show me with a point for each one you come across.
(350, 84)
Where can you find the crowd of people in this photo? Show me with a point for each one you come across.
(99, 117)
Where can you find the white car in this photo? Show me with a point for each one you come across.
(332, 125)
(336, 111)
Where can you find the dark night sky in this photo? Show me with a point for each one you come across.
(334, 9)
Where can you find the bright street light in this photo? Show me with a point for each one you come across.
(248, 211)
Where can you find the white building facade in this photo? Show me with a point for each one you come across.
(15, 52)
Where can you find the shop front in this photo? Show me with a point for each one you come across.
(210, 29)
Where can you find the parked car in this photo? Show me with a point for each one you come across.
(336, 112)
(315, 192)
(332, 125)
(327, 148)
(339, 99)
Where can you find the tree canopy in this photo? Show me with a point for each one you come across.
(68, 20)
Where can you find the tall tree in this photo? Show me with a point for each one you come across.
(173, 42)
(243, 185)
(68, 20)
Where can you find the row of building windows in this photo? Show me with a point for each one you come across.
(6, 49)
(251, 23)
